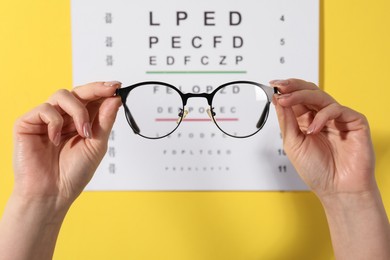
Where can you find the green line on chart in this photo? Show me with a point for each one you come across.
(196, 72)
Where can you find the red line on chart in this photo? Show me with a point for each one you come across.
(195, 119)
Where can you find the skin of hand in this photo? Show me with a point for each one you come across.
(58, 146)
(330, 147)
(329, 144)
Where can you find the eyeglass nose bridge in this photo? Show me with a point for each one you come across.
(208, 96)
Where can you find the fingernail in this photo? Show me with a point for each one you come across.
(87, 130)
(112, 83)
(310, 129)
(279, 82)
(57, 139)
(281, 96)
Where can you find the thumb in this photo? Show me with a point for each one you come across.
(288, 124)
(105, 119)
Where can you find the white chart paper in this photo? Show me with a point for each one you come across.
(197, 46)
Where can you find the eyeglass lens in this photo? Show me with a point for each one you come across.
(246, 103)
(238, 109)
(145, 105)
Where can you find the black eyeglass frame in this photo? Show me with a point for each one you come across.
(124, 93)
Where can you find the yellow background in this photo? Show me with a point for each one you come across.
(35, 61)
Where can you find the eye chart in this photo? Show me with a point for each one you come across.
(196, 46)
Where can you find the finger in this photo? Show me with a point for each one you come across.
(290, 85)
(41, 120)
(345, 119)
(105, 118)
(304, 115)
(289, 127)
(93, 108)
(69, 126)
(65, 101)
(314, 99)
(302, 110)
(96, 90)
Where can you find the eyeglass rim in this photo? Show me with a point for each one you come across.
(269, 91)
(124, 92)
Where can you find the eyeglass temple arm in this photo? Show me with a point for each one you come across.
(270, 92)
(131, 120)
(128, 114)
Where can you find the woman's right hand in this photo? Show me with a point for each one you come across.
(329, 144)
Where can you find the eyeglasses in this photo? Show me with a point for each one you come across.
(155, 109)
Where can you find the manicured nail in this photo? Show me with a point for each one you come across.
(310, 129)
(87, 130)
(279, 82)
(281, 96)
(112, 83)
(57, 139)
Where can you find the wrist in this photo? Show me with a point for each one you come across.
(45, 211)
(351, 201)
(358, 225)
(29, 227)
